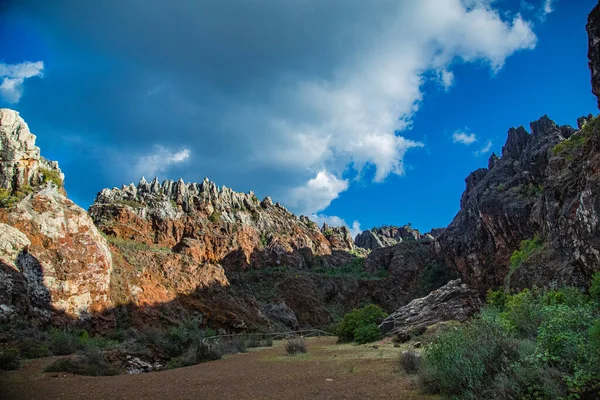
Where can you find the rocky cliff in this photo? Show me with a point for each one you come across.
(247, 264)
(53, 258)
(541, 189)
(385, 236)
(593, 30)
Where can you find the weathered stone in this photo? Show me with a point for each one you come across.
(20, 161)
(282, 315)
(384, 236)
(454, 301)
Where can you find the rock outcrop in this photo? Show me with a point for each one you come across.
(53, 247)
(21, 165)
(384, 236)
(541, 187)
(453, 302)
(593, 30)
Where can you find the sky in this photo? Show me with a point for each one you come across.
(352, 112)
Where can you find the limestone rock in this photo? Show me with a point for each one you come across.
(20, 161)
(385, 236)
(454, 301)
(12, 243)
(67, 257)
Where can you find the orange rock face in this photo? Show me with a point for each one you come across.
(73, 261)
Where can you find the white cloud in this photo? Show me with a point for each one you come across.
(317, 193)
(446, 78)
(159, 161)
(548, 7)
(464, 138)
(353, 117)
(285, 99)
(355, 229)
(485, 149)
(13, 76)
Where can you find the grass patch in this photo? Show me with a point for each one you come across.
(215, 217)
(135, 245)
(49, 175)
(569, 147)
(130, 203)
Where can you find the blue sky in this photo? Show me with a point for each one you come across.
(364, 113)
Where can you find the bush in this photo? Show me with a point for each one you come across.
(91, 363)
(528, 249)
(215, 217)
(410, 362)
(534, 344)
(295, 346)
(195, 355)
(34, 349)
(10, 359)
(367, 334)
(63, 342)
(595, 288)
(360, 321)
(51, 176)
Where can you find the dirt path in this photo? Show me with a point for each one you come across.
(328, 371)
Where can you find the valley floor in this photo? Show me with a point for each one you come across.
(327, 371)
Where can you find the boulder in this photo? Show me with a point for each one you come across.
(454, 301)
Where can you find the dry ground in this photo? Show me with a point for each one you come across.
(328, 371)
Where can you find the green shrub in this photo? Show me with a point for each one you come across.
(528, 249)
(195, 355)
(91, 363)
(595, 288)
(53, 176)
(367, 334)
(32, 348)
(8, 199)
(465, 359)
(10, 359)
(215, 217)
(63, 342)
(501, 187)
(360, 321)
(295, 346)
(536, 344)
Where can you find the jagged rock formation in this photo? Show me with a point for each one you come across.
(535, 189)
(279, 271)
(20, 162)
(384, 236)
(59, 261)
(214, 224)
(454, 301)
(593, 30)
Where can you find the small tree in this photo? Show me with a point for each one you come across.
(360, 324)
